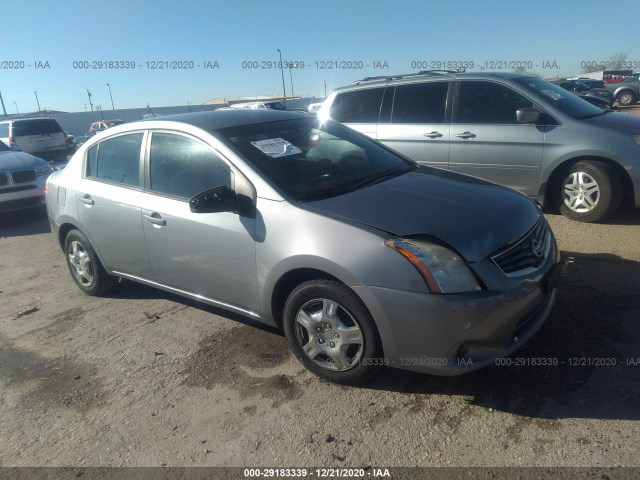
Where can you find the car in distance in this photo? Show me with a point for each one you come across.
(42, 137)
(512, 129)
(22, 180)
(360, 255)
(102, 125)
(584, 91)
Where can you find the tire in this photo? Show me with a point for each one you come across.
(626, 98)
(589, 192)
(84, 265)
(341, 346)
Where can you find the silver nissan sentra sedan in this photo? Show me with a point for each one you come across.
(362, 257)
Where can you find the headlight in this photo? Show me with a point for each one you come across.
(44, 170)
(442, 269)
(636, 138)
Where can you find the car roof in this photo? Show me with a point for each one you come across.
(216, 120)
(27, 119)
(427, 75)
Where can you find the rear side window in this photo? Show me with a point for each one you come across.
(183, 167)
(359, 106)
(116, 160)
(36, 127)
(420, 103)
(488, 102)
(4, 130)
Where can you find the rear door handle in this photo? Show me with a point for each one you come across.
(156, 219)
(433, 134)
(86, 198)
(466, 135)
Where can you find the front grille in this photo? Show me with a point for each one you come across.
(528, 252)
(4, 178)
(24, 176)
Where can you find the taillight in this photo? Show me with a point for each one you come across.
(12, 141)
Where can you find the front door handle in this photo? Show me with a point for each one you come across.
(466, 135)
(156, 219)
(86, 198)
(433, 134)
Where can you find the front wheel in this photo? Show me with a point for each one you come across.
(590, 191)
(332, 333)
(84, 265)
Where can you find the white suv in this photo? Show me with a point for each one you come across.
(43, 137)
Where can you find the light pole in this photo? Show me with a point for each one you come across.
(111, 97)
(17, 111)
(291, 78)
(90, 102)
(284, 90)
(37, 101)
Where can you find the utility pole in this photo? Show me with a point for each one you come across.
(284, 90)
(37, 101)
(17, 111)
(111, 97)
(2, 101)
(90, 102)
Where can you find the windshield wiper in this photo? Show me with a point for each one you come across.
(378, 177)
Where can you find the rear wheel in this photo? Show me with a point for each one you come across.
(590, 191)
(84, 265)
(332, 333)
(627, 98)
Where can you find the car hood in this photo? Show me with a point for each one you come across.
(474, 217)
(19, 161)
(617, 121)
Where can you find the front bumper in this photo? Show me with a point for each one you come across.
(455, 334)
(19, 196)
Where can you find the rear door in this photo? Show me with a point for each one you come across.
(418, 126)
(488, 142)
(359, 109)
(109, 197)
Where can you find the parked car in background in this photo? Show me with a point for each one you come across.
(512, 129)
(22, 179)
(591, 83)
(626, 92)
(102, 125)
(364, 258)
(601, 96)
(274, 105)
(42, 137)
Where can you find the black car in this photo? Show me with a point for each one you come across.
(583, 90)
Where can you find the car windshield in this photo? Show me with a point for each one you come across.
(562, 99)
(309, 160)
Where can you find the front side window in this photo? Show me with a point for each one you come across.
(420, 103)
(116, 160)
(183, 167)
(359, 106)
(489, 103)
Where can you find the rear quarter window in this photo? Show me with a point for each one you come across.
(4, 130)
(358, 106)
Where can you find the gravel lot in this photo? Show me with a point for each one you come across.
(144, 378)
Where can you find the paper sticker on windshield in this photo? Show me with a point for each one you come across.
(276, 147)
(552, 94)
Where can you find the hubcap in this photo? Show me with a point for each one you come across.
(80, 262)
(581, 192)
(329, 335)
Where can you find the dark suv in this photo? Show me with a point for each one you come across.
(512, 129)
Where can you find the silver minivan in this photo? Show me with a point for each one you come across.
(512, 129)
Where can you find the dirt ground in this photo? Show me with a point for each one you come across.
(144, 378)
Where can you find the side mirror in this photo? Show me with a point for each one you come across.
(528, 115)
(221, 199)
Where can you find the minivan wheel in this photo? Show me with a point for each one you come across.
(590, 191)
(626, 98)
(331, 332)
(84, 265)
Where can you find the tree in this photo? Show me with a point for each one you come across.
(616, 62)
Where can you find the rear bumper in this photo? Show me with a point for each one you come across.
(455, 334)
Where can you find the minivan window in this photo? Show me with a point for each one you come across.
(489, 103)
(4, 130)
(359, 106)
(420, 103)
(560, 98)
(182, 167)
(36, 127)
(116, 160)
